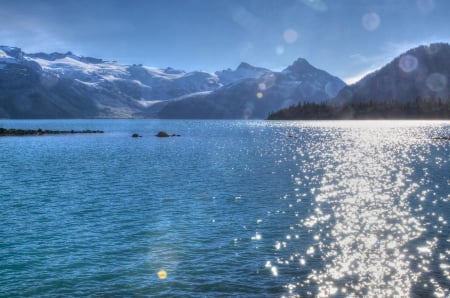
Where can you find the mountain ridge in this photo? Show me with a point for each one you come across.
(65, 85)
(422, 71)
(258, 95)
(414, 85)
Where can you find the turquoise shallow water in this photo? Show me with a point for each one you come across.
(229, 209)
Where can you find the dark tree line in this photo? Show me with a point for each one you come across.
(420, 108)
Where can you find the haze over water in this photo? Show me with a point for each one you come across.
(230, 208)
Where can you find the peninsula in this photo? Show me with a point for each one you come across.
(39, 132)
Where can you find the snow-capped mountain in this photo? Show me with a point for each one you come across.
(64, 85)
(243, 71)
(157, 84)
(260, 93)
(67, 85)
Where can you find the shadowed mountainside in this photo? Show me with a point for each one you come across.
(414, 85)
(64, 85)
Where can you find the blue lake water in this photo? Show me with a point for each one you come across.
(228, 209)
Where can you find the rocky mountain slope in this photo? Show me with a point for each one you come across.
(64, 85)
(257, 96)
(422, 72)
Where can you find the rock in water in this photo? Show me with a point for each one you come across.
(162, 134)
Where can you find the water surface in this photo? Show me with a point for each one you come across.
(230, 208)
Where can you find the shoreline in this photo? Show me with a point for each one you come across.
(5, 132)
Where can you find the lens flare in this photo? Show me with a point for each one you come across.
(259, 95)
(290, 35)
(248, 110)
(279, 50)
(267, 81)
(332, 89)
(262, 86)
(162, 274)
(436, 82)
(371, 21)
(408, 63)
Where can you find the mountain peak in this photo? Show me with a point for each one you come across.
(57, 56)
(61, 86)
(245, 65)
(50, 57)
(299, 65)
(8, 49)
(300, 61)
(12, 51)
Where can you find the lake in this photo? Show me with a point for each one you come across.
(228, 209)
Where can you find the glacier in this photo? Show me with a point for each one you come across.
(65, 85)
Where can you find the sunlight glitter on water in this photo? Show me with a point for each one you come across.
(232, 209)
(364, 216)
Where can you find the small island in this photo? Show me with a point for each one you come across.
(5, 132)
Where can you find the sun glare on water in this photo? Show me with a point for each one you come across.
(363, 221)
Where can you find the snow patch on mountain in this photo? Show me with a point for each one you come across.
(5, 58)
(67, 85)
(243, 71)
(168, 73)
(71, 67)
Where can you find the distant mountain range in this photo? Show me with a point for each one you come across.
(64, 85)
(68, 86)
(257, 95)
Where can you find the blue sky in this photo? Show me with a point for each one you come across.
(347, 38)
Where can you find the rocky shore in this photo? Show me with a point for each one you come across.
(39, 132)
